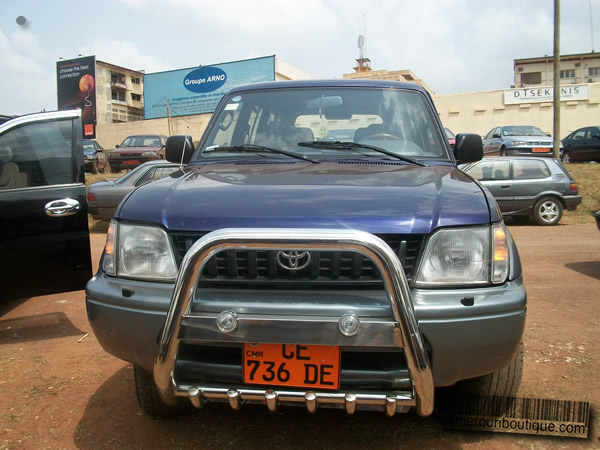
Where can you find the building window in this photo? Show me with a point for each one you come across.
(567, 73)
(118, 78)
(136, 97)
(531, 78)
(118, 96)
(594, 71)
(135, 80)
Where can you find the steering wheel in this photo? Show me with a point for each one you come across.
(382, 136)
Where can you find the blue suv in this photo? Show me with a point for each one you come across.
(281, 266)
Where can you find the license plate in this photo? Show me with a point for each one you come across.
(135, 161)
(313, 366)
(540, 150)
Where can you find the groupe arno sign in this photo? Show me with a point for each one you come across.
(204, 79)
(546, 94)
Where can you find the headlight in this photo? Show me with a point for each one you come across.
(150, 154)
(465, 256)
(136, 251)
(89, 156)
(518, 143)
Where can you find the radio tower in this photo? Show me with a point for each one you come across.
(364, 63)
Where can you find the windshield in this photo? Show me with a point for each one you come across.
(141, 141)
(297, 122)
(88, 146)
(522, 131)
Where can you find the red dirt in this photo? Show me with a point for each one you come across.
(59, 389)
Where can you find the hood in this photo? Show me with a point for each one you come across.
(122, 150)
(528, 138)
(375, 197)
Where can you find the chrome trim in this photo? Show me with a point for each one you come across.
(404, 328)
(350, 401)
(61, 208)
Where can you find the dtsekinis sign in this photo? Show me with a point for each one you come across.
(546, 94)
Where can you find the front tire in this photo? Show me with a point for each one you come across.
(547, 211)
(502, 151)
(148, 397)
(566, 158)
(502, 383)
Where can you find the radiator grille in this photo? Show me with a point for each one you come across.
(260, 266)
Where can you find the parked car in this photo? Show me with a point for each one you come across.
(136, 150)
(537, 187)
(582, 145)
(280, 268)
(104, 196)
(94, 158)
(451, 137)
(517, 140)
(44, 239)
(597, 216)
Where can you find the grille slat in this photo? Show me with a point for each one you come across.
(260, 266)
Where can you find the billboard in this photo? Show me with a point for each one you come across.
(197, 90)
(546, 94)
(76, 89)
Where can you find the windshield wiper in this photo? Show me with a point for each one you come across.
(258, 148)
(345, 145)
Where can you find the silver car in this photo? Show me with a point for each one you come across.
(517, 140)
(537, 187)
(104, 196)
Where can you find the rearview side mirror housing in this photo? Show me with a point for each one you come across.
(179, 149)
(468, 148)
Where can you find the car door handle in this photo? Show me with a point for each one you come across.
(505, 186)
(61, 208)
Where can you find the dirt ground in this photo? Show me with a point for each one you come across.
(59, 389)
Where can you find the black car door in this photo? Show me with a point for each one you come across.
(44, 240)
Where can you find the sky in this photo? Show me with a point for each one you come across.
(454, 46)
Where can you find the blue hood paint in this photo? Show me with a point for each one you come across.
(378, 198)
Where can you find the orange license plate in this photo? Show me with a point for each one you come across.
(540, 150)
(313, 366)
(131, 162)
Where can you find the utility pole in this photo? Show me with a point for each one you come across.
(556, 127)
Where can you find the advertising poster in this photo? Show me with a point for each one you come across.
(197, 90)
(76, 89)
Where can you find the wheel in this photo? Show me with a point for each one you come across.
(547, 211)
(94, 169)
(115, 169)
(148, 397)
(566, 157)
(503, 383)
(502, 151)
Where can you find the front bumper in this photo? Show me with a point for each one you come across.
(131, 321)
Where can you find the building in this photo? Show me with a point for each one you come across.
(120, 104)
(119, 94)
(574, 69)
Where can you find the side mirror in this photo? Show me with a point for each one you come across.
(468, 148)
(496, 135)
(179, 149)
(117, 146)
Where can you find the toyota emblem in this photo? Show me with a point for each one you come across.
(293, 260)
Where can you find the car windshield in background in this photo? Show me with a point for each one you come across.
(296, 122)
(522, 131)
(141, 141)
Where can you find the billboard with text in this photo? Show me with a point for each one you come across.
(197, 90)
(76, 89)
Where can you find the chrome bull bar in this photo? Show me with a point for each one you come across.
(403, 331)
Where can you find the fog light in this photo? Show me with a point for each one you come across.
(349, 325)
(227, 321)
